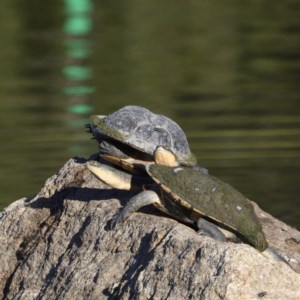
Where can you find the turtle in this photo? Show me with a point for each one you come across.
(130, 136)
(200, 200)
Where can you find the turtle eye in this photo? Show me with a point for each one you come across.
(157, 129)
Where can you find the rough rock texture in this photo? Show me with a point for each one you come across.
(57, 246)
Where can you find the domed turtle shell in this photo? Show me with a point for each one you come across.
(202, 195)
(143, 130)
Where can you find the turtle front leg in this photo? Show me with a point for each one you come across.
(116, 179)
(111, 176)
(135, 203)
(210, 230)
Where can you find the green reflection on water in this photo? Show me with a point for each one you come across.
(78, 6)
(79, 20)
(79, 90)
(80, 109)
(78, 48)
(77, 72)
(78, 25)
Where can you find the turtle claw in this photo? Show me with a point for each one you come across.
(116, 220)
(119, 218)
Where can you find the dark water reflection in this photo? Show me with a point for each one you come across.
(227, 73)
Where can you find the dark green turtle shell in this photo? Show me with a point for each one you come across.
(143, 130)
(201, 195)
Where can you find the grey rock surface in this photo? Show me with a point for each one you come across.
(56, 245)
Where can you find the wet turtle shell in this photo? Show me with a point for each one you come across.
(202, 195)
(141, 129)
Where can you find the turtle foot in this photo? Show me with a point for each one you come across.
(116, 220)
(135, 203)
(209, 229)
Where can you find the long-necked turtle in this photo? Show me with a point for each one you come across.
(192, 197)
(135, 132)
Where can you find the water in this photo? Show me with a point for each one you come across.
(227, 73)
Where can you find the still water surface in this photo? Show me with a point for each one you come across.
(228, 73)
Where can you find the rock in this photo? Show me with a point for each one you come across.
(56, 245)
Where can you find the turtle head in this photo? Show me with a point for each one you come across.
(165, 157)
(111, 148)
(95, 120)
